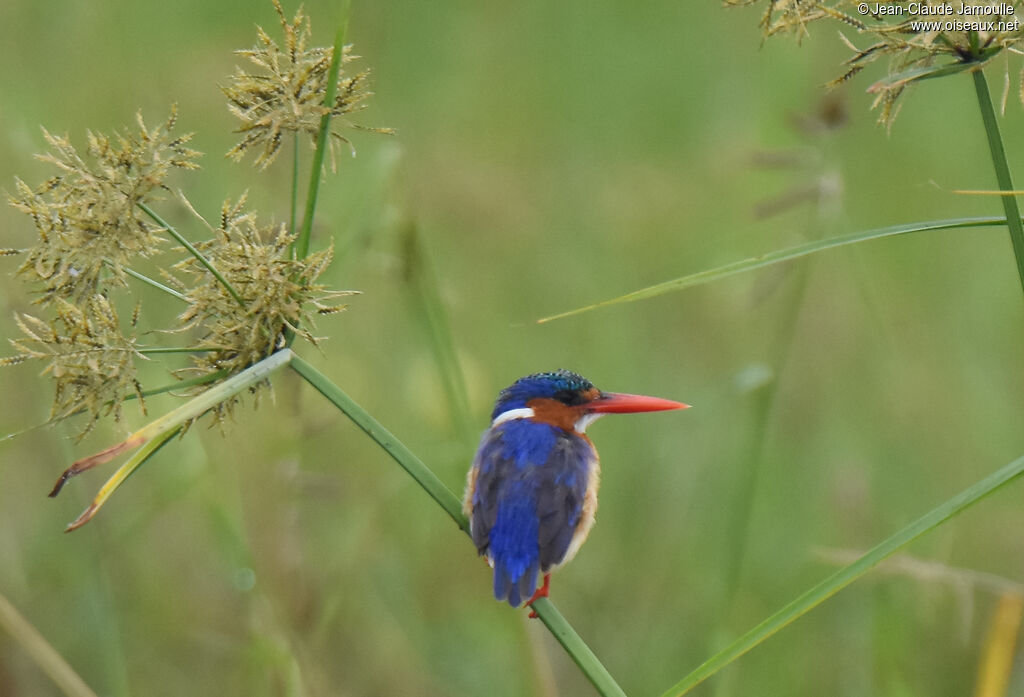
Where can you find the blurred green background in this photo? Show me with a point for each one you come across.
(549, 155)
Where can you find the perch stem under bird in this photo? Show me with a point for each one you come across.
(531, 493)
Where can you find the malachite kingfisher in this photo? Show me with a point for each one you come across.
(531, 493)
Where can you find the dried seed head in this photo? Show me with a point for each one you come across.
(92, 362)
(915, 45)
(87, 215)
(279, 293)
(287, 95)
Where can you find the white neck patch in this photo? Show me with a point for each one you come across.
(522, 413)
(586, 420)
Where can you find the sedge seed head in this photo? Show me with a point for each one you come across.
(86, 215)
(910, 43)
(91, 361)
(279, 293)
(287, 92)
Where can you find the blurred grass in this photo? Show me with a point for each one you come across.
(551, 155)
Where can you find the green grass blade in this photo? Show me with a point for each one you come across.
(44, 655)
(780, 256)
(847, 575)
(156, 284)
(995, 144)
(425, 297)
(917, 74)
(172, 420)
(193, 251)
(546, 611)
(118, 478)
(175, 349)
(579, 652)
(423, 475)
(301, 248)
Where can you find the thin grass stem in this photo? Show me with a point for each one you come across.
(780, 256)
(191, 382)
(425, 296)
(183, 384)
(1002, 168)
(818, 594)
(193, 251)
(423, 475)
(42, 652)
(580, 653)
(176, 349)
(301, 248)
(156, 284)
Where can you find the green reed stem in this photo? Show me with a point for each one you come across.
(183, 384)
(42, 652)
(193, 251)
(995, 146)
(176, 349)
(783, 255)
(385, 439)
(579, 652)
(156, 284)
(301, 248)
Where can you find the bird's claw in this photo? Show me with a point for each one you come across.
(541, 592)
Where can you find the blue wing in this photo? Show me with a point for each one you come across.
(530, 480)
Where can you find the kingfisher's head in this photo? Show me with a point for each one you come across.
(568, 400)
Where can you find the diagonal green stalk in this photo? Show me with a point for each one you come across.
(847, 575)
(579, 652)
(42, 652)
(546, 611)
(193, 251)
(176, 349)
(423, 475)
(995, 146)
(191, 382)
(156, 284)
(301, 248)
(782, 255)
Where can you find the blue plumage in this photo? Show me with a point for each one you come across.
(513, 544)
(530, 482)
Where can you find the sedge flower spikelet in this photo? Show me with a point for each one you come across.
(86, 216)
(287, 93)
(279, 294)
(905, 34)
(90, 360)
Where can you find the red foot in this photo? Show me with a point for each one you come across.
(541, 592)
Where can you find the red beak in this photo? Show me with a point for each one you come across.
(618, 403)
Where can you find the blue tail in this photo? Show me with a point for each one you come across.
(514, 546)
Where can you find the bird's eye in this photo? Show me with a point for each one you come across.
(571, 398)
